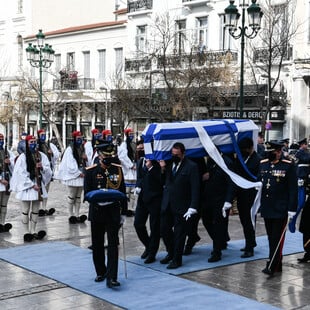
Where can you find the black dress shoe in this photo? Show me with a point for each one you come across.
(268, 271)
(100, 278)
(187, 250)
(42, 212)
(82, 218)
(304, 259)
(214, 258)
(51, 211)
(247, 254)
(112, 283)
(166, 259)
(73, 219)
(150, 259)
(145, 254)
(174, 265)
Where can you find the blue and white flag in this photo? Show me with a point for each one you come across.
(202, 138)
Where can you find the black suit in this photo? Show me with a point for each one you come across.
(149, 203)
(181, 192)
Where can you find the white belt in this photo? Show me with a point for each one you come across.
(304, 165)
(105, 203)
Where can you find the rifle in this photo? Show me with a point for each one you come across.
(38, 174)
(6, 170)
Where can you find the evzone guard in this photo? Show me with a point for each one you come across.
(31, 172)
(6, 169)
(52, 153)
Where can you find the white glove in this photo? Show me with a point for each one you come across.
(300, 182)
(137, 191)
(227, 206)
(123, 218)
(189, 213)
(291, 214)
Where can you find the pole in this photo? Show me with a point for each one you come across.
(40, 91)
(242, 63)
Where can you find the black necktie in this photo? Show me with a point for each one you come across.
(174, 170)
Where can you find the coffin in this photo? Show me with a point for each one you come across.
(224, 133)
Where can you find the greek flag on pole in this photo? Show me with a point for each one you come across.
(201, 138)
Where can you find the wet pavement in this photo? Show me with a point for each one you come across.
(23, 289)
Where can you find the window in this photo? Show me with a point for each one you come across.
(86, 64)
(71, 61)
(20, 52)
(202, 33)
(102, 64)
(58, 62)
(180, 36)
(118, 60)
(280, 22)
(141, 39)
(20, 6)
(225, 37)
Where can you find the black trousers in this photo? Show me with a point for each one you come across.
(109, 224)
(275, 228)
(245, 199)
(144, 211)
(215, 224)
(173, 230)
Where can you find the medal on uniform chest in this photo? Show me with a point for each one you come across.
(268, 184)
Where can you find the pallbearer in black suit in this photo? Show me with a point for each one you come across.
(180, 201)
(149, 187)
(246, 197)
(278, 201)
(106, 216)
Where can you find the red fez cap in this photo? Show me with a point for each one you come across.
(76, 133)
(40, 131)
(107, 132)
(30, 137)
(94, 131)
(127, 131)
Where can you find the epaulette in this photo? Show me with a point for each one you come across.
(264, 160)
(287, 161)
(90, 167)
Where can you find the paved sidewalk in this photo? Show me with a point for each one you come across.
(22, 289)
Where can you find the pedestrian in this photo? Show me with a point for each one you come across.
(149, 189)
(245, 197)
(71, 173)
(278, 201)
(217, 199)
(53, 154)
(32, 171)
(180, 201)
(126, 154)
(7, 159)
(106, 215)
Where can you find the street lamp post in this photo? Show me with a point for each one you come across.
(40, 56)
(231, 21)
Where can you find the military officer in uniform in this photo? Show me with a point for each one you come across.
(278, 201)
(106, 216)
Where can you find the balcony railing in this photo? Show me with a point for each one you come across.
(73, 84)
(180, 60)
(139, 5)
(137, 65)
(262, 54)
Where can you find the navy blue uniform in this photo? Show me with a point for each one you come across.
(105, 217)
(279, 195)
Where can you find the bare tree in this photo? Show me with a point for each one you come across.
(278, 29)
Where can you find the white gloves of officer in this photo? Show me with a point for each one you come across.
(291, 214)
(123, 218)
(300, 182)
(137, 191)
(227, 206)
(189, 213)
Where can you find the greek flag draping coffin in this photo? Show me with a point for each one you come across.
(224, 133)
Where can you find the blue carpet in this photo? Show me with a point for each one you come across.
(198, 260)
(144, 288)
